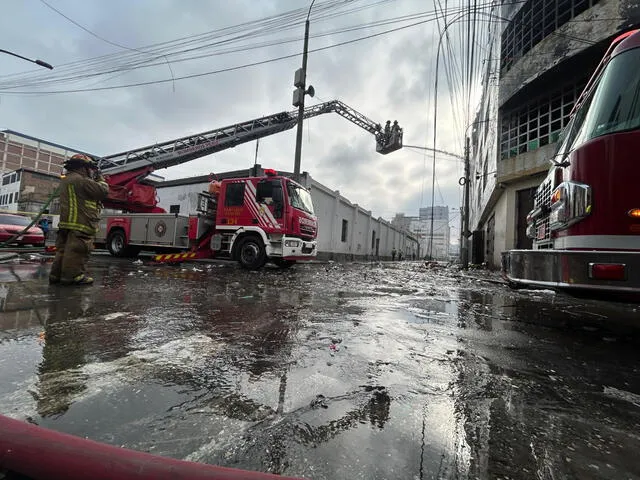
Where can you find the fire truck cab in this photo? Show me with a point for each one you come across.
(252, 220)
(585, 224)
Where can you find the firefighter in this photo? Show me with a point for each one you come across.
(81, 191)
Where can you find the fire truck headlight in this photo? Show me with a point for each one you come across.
(291, 243)
(570, 203)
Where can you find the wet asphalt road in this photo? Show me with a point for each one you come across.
(362, 371)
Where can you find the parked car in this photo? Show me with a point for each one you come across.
(11, 224)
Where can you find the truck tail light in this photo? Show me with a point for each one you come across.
(607, 271)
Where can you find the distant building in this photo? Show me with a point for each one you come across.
(25, 190)
(401, 221)
(31, 169)
(18, 150)
(439, 213)
(420, 227)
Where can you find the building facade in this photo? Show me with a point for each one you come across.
(539, 61)
(346, 231)
(27, 191)
(18, 150)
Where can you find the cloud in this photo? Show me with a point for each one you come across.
(387, 77)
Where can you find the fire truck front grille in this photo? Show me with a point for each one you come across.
(307, 232)
(543, 199)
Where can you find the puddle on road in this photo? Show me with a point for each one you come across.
(377, 371)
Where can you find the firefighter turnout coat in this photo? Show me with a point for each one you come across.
(80, 205)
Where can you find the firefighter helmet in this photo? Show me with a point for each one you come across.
(80, 160)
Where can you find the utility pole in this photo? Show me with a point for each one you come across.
(299, 82)
(464, 245)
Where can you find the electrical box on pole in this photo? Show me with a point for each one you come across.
(299, 79)
(298, 96)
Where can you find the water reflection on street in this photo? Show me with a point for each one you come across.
(326, 371)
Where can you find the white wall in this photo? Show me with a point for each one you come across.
(184, 195)
(331, 209)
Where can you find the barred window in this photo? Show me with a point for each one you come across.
(533, 22)
(539, 122)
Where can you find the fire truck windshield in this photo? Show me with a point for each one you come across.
(613, 105)
(300, 198)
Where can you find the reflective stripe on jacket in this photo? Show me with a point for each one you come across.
(80, 199)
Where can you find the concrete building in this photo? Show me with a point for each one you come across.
(420, 227)
(346, 231)
(25, 190)
(539, 61)
(439, 213)
(18, 150)
(441, 237)
(402, 222)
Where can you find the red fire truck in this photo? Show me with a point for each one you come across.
(252, 220)
(585, 223)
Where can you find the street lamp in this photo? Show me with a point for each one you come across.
(299, 82)
(37, 62)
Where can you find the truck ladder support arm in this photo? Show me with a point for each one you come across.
(125, 170)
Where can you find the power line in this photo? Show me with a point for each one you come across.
(228, 69)
(161, 48)
(61, 78)
(104, 39)
(268, 29)
(87, 30)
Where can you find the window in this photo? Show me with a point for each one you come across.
(6, 179)
(373, 239)
(15, 197)
(539, 122)
(174, 208)
(11, 198)
(18, 175)
(234, 196)
(345, 228)
(533, 22)
(14, 220)
(614, 105)
(300, 198)
(13, 178)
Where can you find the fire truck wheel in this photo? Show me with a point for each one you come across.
(117, 243)
(251, 253)
(283, 264)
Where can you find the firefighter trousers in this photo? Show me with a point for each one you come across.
(72, 254)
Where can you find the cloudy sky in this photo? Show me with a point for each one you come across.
(389, 76)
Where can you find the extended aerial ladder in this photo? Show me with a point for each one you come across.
(125, 171)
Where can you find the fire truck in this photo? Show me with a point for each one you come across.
(253, 220)
(585, 223)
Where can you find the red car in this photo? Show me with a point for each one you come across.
(13, 224)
